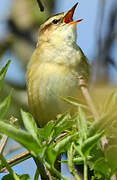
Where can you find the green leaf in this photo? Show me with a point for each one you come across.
(7, 177)
(82, 126)
(89, 143)
(46, 131)
(78, 149)
(21, 177)
(101, 167)
(74, 102)
(51, 155)
(61, 145)
(3, 73)
(77, 161)
(95, 153)
(98, 176)
(98, 125)
(21, 136)
(92, 178)
(4, 105)
(24, 177)
(54, 150)
(31, 125)
(80, 160)
(65, 125)
(62, 123)
(62, 119)
(111, 157)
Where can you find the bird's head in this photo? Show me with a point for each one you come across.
(59, 27)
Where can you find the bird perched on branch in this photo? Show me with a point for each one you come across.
(54, 68)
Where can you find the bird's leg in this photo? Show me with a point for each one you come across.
(84, 88)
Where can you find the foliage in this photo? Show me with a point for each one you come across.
(75, 136)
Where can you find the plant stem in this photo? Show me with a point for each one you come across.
(41, 168)
(70, 154)
(36, 174)
(85, 170)
(53, 170)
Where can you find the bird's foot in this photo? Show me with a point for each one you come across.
(82, 81)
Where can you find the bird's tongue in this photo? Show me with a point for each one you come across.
(69, 16)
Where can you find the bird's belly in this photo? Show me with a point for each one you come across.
(49, 84)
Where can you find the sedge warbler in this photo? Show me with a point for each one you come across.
(54, 68)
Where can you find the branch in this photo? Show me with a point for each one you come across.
(40, 5)
(17, 159)
(3, 143)
(41, 168)
(84, 89)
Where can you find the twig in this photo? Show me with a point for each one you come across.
(60, 136)
(17, 159)
(84, 89)
(3, 143)
(40, 5)
(49, 174)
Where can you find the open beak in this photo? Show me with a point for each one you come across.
(68, 18)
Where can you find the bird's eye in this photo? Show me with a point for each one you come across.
(55, 21)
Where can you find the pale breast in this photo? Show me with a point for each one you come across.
(46, 84)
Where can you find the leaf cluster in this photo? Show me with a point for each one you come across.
(76, 136)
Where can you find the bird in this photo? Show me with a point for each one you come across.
(54, 67)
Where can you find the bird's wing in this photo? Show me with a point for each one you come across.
(83, 66)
